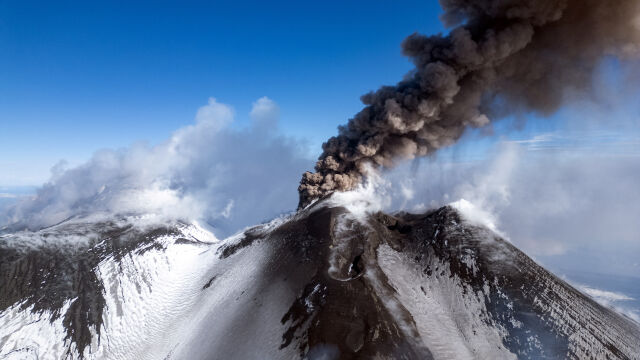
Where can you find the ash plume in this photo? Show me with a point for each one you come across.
(502, 57)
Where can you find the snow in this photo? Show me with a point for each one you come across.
(198, 233)
(25, 335)
(239, 305)
(147, 297)
(451, 326)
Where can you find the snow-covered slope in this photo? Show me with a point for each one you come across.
(322, 283)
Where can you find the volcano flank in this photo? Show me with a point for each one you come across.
(324, 283)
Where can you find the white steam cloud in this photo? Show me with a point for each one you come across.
(207, 171)
(547, 204)
(555, 205)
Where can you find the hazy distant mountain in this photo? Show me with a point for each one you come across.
(324, 283)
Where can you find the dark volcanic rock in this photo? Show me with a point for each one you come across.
(361, 304)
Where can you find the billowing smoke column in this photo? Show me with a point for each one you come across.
(502, 57)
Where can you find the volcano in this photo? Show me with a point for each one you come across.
(323, 283)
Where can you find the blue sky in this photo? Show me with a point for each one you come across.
(79, 76)
(76, 77)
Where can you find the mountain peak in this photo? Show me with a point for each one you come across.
(326, 282)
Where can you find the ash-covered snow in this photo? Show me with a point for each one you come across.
(451, 326)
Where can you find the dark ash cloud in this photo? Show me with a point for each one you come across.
(503, 57)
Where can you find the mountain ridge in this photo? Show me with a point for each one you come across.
(322, 282)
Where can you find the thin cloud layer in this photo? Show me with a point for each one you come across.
(547, 204)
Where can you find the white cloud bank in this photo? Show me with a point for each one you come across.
(611, 299)
(548, 204)
(603, 296)
(208, 171)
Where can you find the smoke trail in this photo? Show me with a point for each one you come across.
(502, 57)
